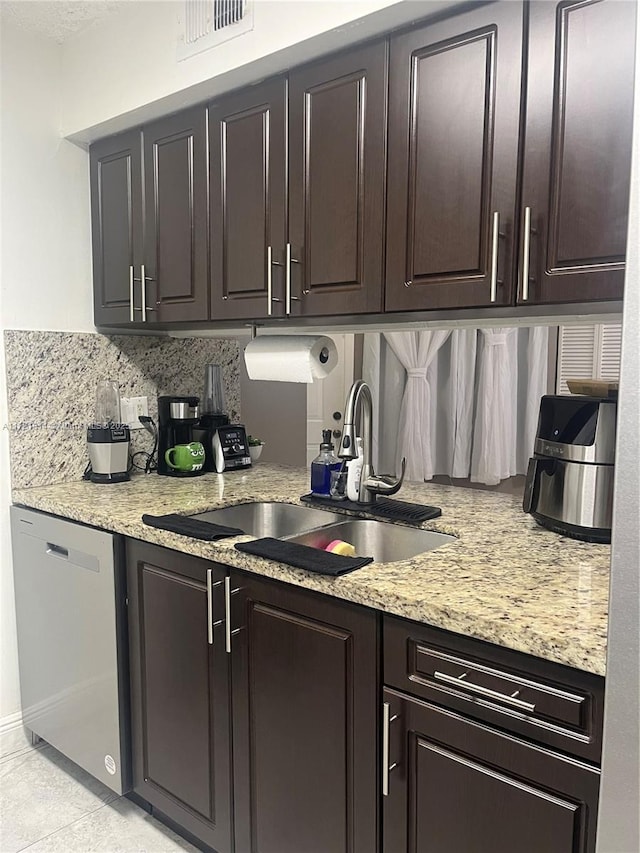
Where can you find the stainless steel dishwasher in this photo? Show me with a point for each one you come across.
(70, 611)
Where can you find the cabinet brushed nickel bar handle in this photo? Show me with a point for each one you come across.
(210, 623)
(272, 263)
(210, 606)
(288, 297)
(228, 592)
(227, 614)
(143, 286)
(526, 248)
(132, 316)
(484, 691)
(387, 719)
(269, 282)
(144, 278)
(495, 232)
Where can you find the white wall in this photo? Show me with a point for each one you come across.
(45, 272)
(128, 62)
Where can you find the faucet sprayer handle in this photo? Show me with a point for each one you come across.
(383, 485)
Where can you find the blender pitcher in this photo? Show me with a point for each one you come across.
(107, 403)
(213, 401)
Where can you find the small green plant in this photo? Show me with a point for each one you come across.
(254, 442)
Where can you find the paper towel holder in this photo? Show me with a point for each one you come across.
(252, 330)
(290, 358)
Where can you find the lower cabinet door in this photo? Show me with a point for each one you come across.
(457, 786)
(181, 732)
(305, 673)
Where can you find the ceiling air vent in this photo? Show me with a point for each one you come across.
(207, 23)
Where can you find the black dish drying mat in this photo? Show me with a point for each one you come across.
(383, 508)
(303, 557)
(191, 527)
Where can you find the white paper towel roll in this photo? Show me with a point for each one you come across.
(290, 358)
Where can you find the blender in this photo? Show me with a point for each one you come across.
(213, 414)
(108, 438)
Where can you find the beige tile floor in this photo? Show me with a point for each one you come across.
(49, 804)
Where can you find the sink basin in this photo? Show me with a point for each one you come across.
(270, 518)
(385, 542)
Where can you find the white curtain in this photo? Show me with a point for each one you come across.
(494, 441)
(371, 373)
(482, 389)
(537, 369)
(416, 351)
(461, 399)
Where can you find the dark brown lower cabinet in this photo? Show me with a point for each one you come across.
(180, 692)
(459, 786)
(255, 708)
(303, 731)
(305, 676)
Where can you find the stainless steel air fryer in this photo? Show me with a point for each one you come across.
(569, 485)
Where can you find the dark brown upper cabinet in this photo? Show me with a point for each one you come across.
(180, 693)
(248, 174)
(175, 182)
(577, 150)
(337, 130)
(116, 226)
(482, 159)
(454, 108)
(149, 223)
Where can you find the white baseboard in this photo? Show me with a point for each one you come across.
(13, 736)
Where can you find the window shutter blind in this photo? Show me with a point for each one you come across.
(588, 352)
(576, 355)
(610, 341)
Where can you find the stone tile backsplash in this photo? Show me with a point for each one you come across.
(51, 387)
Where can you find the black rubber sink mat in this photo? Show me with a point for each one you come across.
(385, 508)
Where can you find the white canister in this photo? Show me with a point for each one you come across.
(354, 472)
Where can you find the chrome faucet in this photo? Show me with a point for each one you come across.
(371, 485)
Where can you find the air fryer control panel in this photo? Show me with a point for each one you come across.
(230, 448)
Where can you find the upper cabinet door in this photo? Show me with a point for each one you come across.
(116, 226)
(337, 128)
(577, 151)
(248, 168)
(453, 148)
(175, 169)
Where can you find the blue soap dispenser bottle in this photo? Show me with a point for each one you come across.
(322, 466)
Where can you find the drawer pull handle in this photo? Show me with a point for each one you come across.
(485, 691)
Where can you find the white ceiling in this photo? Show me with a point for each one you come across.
(58, 19)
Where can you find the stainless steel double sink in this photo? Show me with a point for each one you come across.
(385, 542)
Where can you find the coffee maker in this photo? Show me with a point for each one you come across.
(177, 418)
(569, 485)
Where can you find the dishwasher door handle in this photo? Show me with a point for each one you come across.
(57, 551)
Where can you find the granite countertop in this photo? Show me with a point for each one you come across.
(503, 579)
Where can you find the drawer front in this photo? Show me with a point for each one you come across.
(547, 702)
